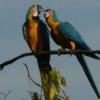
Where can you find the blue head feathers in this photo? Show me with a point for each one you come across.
(52, 13)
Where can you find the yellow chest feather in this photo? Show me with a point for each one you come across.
(52, 24)
(34, 36)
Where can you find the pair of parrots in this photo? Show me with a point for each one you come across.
(36, 34)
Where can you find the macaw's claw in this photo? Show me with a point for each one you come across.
(71, 51)
(60, 51)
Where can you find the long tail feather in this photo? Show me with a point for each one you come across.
(88, 73)
(93, 56)
(44, 67)
(86, 47)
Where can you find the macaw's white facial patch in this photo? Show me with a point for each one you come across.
(34, 12)
(47, 14)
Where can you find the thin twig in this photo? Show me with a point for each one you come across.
(61, 97)
(2, 65)
(41, 94)
(5, 94)
(29, 76)
(2, 93)
(66, 96)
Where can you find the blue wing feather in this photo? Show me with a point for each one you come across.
(71, 33)
(45, 35)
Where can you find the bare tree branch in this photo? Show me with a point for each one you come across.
(30, 78)
(5, 94)
(33, 94)
(66, 96)
(59, 52)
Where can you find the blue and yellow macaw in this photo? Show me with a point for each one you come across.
(65, 35)
(36, 34)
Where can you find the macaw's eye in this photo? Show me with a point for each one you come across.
(51, 12)
(47, 14)
(34, 9)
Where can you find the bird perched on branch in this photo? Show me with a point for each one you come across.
(67, 36)
(36, 34)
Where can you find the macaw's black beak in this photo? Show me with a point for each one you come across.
(44, 13)
(40, 8)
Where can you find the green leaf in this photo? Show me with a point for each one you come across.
(52, 92)
(63, 81)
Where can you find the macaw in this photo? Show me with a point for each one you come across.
(36, 34)
(67, 36)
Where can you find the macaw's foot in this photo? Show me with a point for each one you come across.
(71, 51)
(60, 50)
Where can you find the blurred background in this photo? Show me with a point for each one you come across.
(83, 14)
